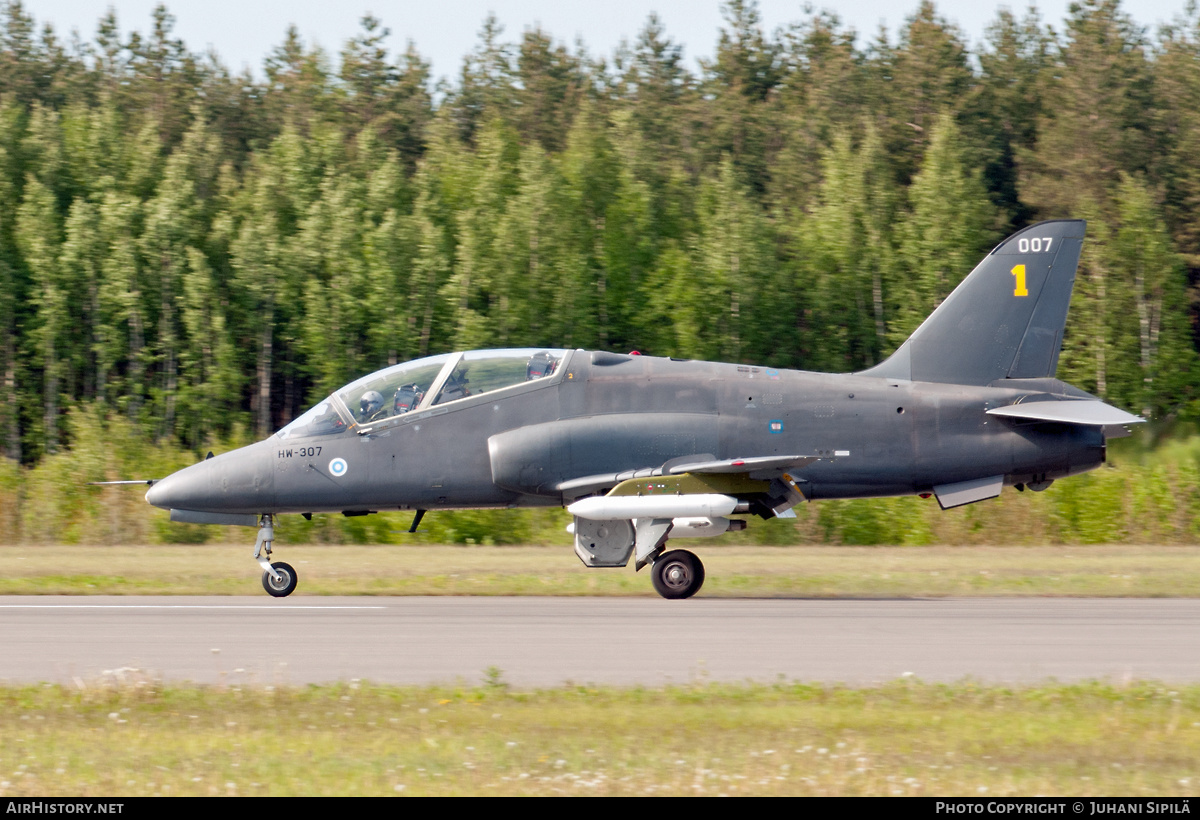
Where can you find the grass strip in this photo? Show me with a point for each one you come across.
(126, 735)
(732, 571)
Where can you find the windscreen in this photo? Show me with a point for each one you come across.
(322, 420)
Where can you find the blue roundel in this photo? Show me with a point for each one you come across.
(338, 467)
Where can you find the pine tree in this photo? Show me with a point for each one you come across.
(924, 76)
(1157, 362)
(847, 256)
(1002, 117)
(1094, 123)
(741, 79)
(39, 237)
(951, 224)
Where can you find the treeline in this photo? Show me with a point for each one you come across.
(202, 253)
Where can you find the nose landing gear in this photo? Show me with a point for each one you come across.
(278, 579)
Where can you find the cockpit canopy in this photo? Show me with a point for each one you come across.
(421, 384)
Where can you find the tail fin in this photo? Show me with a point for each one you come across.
(1005, 320)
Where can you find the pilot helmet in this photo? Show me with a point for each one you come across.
(370, 402)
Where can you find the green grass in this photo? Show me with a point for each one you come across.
(732, 571)
(139, 737)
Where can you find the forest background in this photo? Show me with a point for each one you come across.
(190, 258)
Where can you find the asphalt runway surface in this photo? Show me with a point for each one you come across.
(553, 641)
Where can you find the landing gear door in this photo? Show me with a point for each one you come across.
(603, 543)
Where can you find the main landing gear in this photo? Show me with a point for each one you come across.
(677, 574)
(278, 579)
(612, 542)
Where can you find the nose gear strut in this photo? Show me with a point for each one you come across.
(279, 579)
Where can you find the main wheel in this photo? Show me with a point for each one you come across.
(287, 580)
(677, 574)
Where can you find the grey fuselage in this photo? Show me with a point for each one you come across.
(604, 413)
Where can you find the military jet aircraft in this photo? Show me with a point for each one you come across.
(641, 448)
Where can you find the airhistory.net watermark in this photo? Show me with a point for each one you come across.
(63, 807)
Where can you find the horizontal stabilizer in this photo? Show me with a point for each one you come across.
(608, 508)
(1095, 413)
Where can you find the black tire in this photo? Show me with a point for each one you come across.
(677, 574)
(287, 583)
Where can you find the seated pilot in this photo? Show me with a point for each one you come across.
(371, 406)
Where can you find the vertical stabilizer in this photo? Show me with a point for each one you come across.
(1005, 320)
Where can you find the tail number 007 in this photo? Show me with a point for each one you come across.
(1034, 244)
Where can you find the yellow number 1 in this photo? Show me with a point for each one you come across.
(1019, 273)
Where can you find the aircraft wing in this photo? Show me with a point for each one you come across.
(763, 467)
(1095, 413)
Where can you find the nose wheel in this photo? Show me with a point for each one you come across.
(677, 574)
(282, 583)
(278, 579)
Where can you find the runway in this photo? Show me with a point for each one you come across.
(552, 641)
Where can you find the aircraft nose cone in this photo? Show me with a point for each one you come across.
(234, 482)
(187, 489)
(160, 494)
